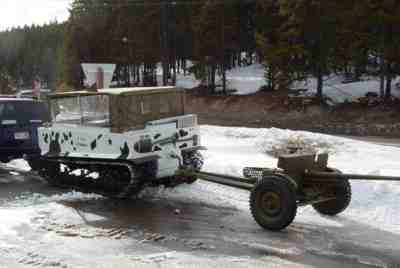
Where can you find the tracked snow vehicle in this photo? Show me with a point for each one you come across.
(115, 142)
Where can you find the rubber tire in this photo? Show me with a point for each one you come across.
(287, 193)
(338, 205)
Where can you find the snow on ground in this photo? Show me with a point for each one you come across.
(245, 80)
(178, 259)
(33, 199)
(19, 164)
(249, 79)
(375, 203)
(11, 219)
(27, 205)
(229, 150)
(232, 149)
(338, 92)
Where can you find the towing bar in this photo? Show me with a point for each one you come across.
(237, 182)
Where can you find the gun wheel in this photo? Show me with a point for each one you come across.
(341, 190)
(273, 203)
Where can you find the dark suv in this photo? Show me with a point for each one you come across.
(19, 120)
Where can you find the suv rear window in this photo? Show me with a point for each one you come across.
(22, 111)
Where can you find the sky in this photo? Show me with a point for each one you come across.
(27, 12)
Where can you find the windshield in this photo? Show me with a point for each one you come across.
(83, 110)
(24, 111)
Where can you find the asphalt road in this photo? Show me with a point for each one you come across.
(163, 232)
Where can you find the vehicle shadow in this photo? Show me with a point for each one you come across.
(155, 214)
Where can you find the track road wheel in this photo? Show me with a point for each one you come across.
(273, 203)
(342, 191)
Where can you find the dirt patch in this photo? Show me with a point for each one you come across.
(271, 109)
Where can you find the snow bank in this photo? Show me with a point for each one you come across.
(33, 199)
(19, 164)
(11, 219)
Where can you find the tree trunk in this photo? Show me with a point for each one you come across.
(174, 74)
(224, 79)
(320, 85)
(388, 91)
(213, 70)
(138, 74)
(251, 58)
(164, 42)
(382, 85)
(382, 71)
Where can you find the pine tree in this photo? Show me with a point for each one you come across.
(385, 19)
(274, 47)
(312, 26)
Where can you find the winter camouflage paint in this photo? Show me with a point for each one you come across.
(157, 139)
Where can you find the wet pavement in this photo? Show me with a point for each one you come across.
(48, 227)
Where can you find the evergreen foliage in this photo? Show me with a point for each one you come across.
(30, 53)
(294, 39)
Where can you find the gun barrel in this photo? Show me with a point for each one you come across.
(321, 175)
